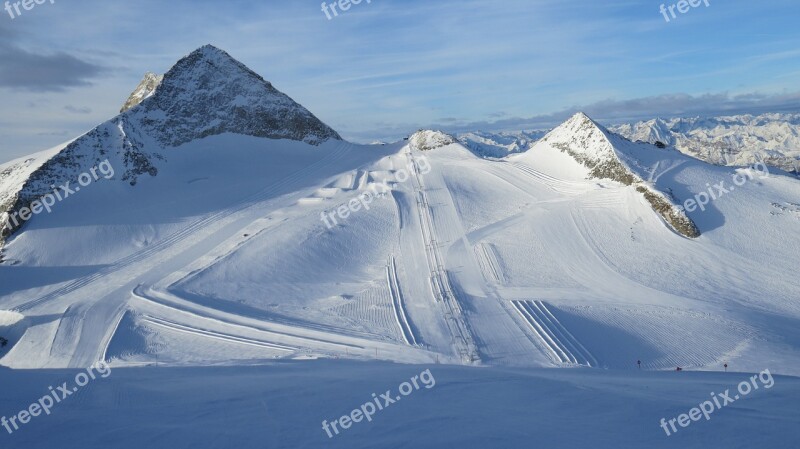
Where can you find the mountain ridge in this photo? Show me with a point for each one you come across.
(205, 93)
(736, 140)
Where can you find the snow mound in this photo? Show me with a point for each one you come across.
(9, 317)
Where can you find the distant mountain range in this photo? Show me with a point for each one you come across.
(738, 140)
(501, 144)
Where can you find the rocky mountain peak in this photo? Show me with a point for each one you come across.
(425, 140)
(208, 92)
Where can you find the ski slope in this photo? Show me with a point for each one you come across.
(515, 262)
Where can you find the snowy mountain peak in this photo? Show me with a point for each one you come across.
(580, 122)
(197, 65)
(204, 94)
(579, 116)
(211, 51)
(582, 138)
(608, 156)
(208, 92)
(145, 89)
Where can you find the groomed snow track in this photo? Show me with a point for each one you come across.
(455, 320)
(189, 230)
(489, 265)
(554, 184)
(397, 304)
(561, 345)
(177, 327)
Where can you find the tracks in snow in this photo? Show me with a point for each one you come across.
(455, 320)
(214, 335)
(560, 343)
(173, 313)
(398, 305)
(555, 184)
(163, 303)
(192, 228)
(487, 260)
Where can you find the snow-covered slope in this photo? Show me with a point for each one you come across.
(283, 406)
(249, 248)
(13, 176)
(738, 140)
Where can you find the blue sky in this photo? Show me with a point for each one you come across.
(383, 69)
